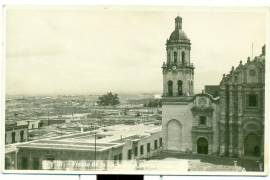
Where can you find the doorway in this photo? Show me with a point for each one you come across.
(202, 146)
(252, 145)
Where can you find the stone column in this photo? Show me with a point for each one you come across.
(172, 55)
(175, 85)
(210, 140)
(239, 114)
(16, 160)
(194, 144)
(192, 86)
(222, 122)
(178, 56)
(240, 138)
(262, 141)
(231, 113)
(222, 139)
(188, 56)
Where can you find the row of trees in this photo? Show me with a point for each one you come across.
(111, 99)
(153, 103)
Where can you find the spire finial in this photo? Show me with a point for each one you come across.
(178, 22)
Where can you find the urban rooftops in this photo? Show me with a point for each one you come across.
(99, 140)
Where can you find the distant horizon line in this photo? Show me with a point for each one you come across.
(86, 94)
(196, 91)
(92, 94)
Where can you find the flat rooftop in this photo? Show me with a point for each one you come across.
(106, 138)
(68, 145)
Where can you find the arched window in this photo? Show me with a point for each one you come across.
(180, 90)
(175, 57)
(183, 57)
(170, 88)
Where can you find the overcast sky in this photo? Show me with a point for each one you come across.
(91, 51)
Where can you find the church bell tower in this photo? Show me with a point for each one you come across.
(178, 71)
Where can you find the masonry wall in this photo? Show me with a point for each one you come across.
(39, 155)
(185, 75)
(149, 139)
(181, 112)
(131, 145)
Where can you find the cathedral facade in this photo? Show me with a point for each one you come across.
(242, 109)
(230, 124)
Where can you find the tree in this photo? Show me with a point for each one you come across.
(108, 99)
(153, 103)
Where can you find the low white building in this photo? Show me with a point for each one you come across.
(106, 146)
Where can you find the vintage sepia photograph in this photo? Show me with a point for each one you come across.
(135, 90)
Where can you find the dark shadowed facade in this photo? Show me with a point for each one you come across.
(242, 109)
(213, 90)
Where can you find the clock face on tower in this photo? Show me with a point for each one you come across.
(174, 67)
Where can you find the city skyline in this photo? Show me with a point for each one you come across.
(205, 65)
(81, 51)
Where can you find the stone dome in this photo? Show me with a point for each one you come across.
(178, 34)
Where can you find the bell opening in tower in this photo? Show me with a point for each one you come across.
(175, 57)
(183, 57)
(170, 88)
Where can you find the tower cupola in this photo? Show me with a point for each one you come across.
(178, 70)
